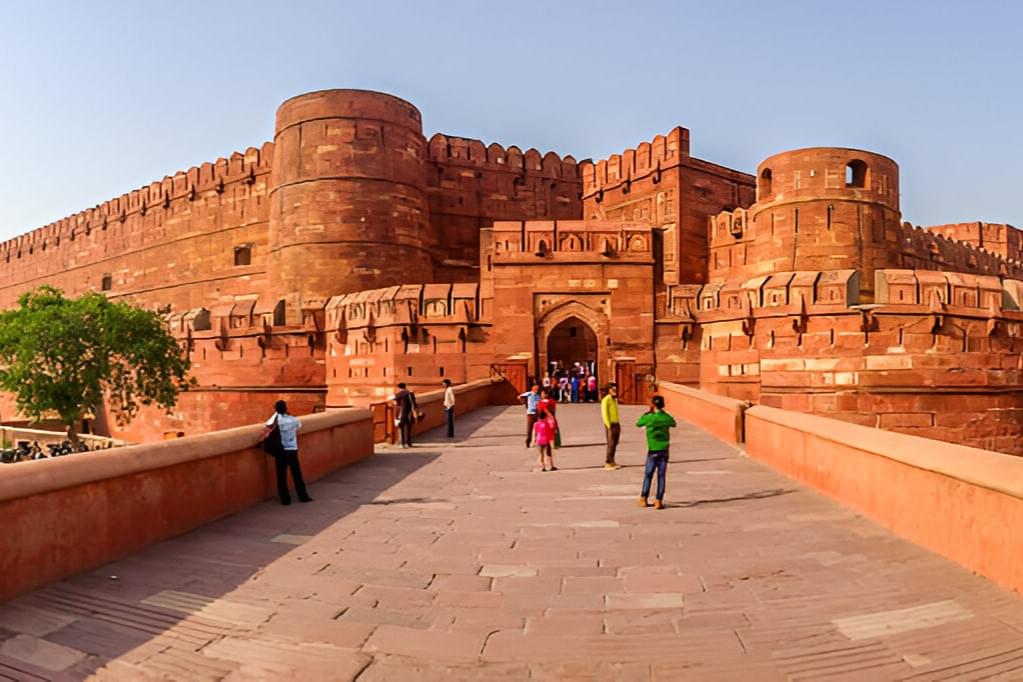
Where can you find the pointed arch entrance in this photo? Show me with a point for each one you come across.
(573, 332)
(571, 341)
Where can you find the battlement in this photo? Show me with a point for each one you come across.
(925, 248)
(833, 291)
(449, 149)
(405, 304)
(1002, 239)
(209, 176)
(648, 158)
(565, 239)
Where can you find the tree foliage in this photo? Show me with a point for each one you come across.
(63, 355)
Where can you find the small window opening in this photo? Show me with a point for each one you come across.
(243, 255)
(442, 371)
(572, 331)
(279, 314)
(107, 284)
(856, 174)
(764, 188)
(409, 370)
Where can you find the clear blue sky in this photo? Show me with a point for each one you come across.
(99, 98)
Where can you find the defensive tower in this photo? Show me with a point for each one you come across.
(348, 207)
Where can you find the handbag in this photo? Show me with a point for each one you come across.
(270, 439)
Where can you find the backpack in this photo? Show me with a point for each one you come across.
(270, 439)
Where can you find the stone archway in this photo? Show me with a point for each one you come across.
(591, 338)
(571, 341)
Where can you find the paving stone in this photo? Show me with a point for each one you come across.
(40, 653)
(477, 568)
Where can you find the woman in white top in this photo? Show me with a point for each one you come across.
(287, 457)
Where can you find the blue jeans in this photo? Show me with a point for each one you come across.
(658, 461)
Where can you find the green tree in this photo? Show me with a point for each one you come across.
(63, 355)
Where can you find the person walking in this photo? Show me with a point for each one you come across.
(543, 433)
(591, 389)
(405, 402)
(449, 407)
(612, 427)
(287, 457)
(532, 398)
(549, 405)
(657, 423)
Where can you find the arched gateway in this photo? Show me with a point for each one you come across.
(571, 333)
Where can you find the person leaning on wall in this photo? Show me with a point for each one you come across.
(286, 457)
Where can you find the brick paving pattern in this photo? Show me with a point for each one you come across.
(456, 561)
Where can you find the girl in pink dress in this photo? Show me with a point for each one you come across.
(543, 436)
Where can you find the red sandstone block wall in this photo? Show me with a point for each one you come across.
(470, 186)
(963, 503)
(659, 182)
(172, 242)
(720, 416)
(124, 499)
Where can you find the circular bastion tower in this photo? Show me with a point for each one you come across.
(827, 208)
(348, 200)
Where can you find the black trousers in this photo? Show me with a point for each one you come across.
(405, 432)
(288, 459)
(450, 412)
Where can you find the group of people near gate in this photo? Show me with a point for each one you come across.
(575, 384)
(280, 435)
(543, 431)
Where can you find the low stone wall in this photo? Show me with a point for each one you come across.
(468, 397)
(963, 503)
(719, 415)
(70, 514)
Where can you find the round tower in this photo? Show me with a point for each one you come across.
(348, 200)
(826, 208)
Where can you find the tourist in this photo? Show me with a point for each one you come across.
(405, 402)
(612, 427)
(549, 405)
(449, 407)
(591, 389)
(532, 398)
(287, 457)
(566, 392)
(543, 435)
(575, 387)
(546, 383)
(657, 423)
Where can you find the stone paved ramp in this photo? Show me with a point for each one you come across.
(456, 561)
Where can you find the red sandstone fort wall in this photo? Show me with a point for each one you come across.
(470, 185)
(172, 242)
(937, 356)
(660, 183)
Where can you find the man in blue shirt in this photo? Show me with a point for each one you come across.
(287, 458)
(532, 398)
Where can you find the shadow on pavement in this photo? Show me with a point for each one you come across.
(127, 604)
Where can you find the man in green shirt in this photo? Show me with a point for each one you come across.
(657, 423)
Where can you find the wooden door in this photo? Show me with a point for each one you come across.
(514, 373)
(625, 377)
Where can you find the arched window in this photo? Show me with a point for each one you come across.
(856, 174)
(280, 315)
(764, 186)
